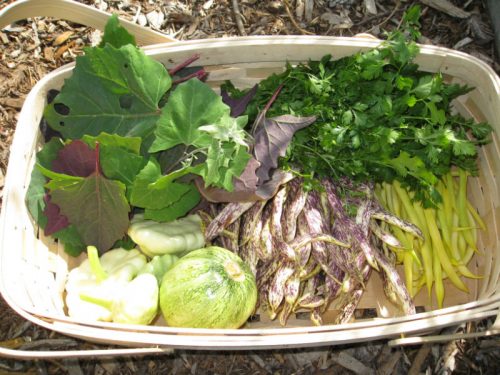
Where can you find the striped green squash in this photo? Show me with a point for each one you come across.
(208, 288)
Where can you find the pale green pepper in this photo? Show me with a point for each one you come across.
(108, 288)
(159, 265)
(174, 237)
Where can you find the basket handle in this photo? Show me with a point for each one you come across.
(420, 340)
(101, 353)
(78, 13)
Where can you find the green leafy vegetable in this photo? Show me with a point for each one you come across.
(115, 34)
(84, 198)
(196, 118)
(153, 191)
(113, 90)
(97, 207)
(378, 117)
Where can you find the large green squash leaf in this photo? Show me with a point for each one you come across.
(191, 105)
(112, 90)
(115, 34)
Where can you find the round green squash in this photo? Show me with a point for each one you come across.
(208, 288)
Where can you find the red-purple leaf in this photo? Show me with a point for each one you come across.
(272, 137)
(55, 220)
(238, 105)
(244, 188)
(75, 159)
(97, 207)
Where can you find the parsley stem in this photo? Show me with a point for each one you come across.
(319, 156)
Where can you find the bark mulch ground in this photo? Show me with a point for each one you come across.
(31, 48)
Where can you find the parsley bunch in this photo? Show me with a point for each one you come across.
(378, 117)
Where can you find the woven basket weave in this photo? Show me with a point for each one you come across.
(33, 268)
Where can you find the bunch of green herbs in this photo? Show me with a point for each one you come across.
(379, 118)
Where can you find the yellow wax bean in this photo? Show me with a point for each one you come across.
(476, 216)
(425, 246)
(408, 267)
(438, 279)
(441, 253)
(463, 216)
(467, 273)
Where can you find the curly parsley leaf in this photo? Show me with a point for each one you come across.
(378, 117)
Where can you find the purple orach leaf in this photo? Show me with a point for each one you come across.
(245, 193)
(55, 220)
(238, 105)
(272, 137)
(76, 159)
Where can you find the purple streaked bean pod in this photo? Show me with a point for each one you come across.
(266, 271)
(348, 305)
(381, 214)
(249, 220)
(281, 248)
(264, 236)
(316, 226)
(315, 316)
(351, 297)
(383, 235)
(333, 281)
(278, 202)
(397, 284)
(303, 252)
(248, 253)
(292, 288)
(225, 217)
(277, 286)
(266, 243)
(294, 205)
(310, 302)
(344, 224)
(309, 270)
(285, 313)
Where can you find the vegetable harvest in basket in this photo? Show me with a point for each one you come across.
(311, 179)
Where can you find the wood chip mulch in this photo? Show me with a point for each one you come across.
(31, 48)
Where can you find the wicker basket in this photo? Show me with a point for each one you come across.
(33, 268)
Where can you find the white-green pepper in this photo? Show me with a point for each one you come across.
(108, 288)
(173, 237)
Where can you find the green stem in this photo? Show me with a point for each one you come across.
(97, 301)
(95, 265)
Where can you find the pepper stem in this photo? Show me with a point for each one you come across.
(97, 301)
(95, 265)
